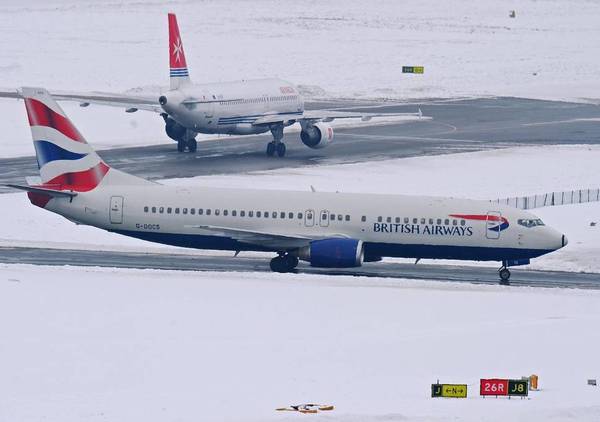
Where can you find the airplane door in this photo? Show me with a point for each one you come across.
(324, 218)
(116, 209)
(493, 222)
(309, 218)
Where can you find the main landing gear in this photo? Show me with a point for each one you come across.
(191, 145)
(276, 146)
(504, 274)
(186, 139)
(284, 263)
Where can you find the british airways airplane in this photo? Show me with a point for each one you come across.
(246, 107)
(333, 230)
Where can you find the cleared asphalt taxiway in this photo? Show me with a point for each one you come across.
(166, 261)
(458, 125)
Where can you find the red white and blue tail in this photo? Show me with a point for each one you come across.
(178, 66)
(66, 161)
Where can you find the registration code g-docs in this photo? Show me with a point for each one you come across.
(147, 226)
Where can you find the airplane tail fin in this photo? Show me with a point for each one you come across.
(178, 67)
(65, 160)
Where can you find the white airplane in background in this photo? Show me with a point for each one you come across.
(235, 108)
(333, 230)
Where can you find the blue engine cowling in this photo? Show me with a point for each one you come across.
(333, 253)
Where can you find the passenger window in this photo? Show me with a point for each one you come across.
(291, 215)
(169, 210)
(258, 213)
(331, 217)
(347, 217)
(446, 221)
(153, 210)
(217, 211)
(185, 210)
(406, 220)
(208, 211)
(415, 220)
(225, 213)
(397, 220)
(242, 213)
(439, 221)
(266, 214)
(145, 209)
(176, 210)
(281, 215)
(299, 216)
(363, 218)
(431, 221)
(462, 222)
(161, 210)
(233, 213)
(379, 219)
(192, 211)
(274, 214)
(340, 217)
(422, 220)
(454, 222)
(389, 219)
(251, 214)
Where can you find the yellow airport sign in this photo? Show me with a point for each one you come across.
(457, 391)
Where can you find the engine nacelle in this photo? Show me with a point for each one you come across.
(333, 253)
(174, 130)
(317, 135)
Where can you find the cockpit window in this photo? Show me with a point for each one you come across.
(530, 222)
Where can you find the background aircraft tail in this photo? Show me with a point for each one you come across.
(178, 66)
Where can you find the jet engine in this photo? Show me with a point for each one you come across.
(333, 253)
(174, 130)
(317, 135)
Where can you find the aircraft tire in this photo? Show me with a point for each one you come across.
(281, 149)
(504, 274)
(270, 149)
(192, 145)
(181, 145)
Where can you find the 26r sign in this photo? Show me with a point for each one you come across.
(493, 387)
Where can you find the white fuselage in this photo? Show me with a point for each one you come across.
(232, 107)
(388, 225)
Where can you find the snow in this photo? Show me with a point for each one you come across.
(335, 49)
(123, 345)
(533, 170)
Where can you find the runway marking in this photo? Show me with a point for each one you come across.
(558, 122)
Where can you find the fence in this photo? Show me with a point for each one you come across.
(550, 199)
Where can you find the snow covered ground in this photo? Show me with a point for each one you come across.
(130, 345)
(533, 170)
(343, 48)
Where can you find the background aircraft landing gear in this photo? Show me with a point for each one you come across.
(276, 146)
(284, 263)
(504, 274)
(191, 144)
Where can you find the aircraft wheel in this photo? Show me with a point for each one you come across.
(271, 149)
(504, 274)
(281, 149)
(181, 145)
(283, 264)
(192, 145)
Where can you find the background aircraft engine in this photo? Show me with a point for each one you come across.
(333, 253)
(174, 130)
(317, 135)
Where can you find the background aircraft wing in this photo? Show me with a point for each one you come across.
(330, 115)
(130, 103)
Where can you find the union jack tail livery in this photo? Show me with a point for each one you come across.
(178, 66)
(66, 161)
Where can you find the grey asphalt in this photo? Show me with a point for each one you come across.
(464, 274)
(461, 125)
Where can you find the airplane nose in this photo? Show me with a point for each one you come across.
(564, 240)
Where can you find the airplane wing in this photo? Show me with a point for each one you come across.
(269, 240)
(328, 116)
(130, 103)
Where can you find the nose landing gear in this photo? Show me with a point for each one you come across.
(284, 263)
(276, 146)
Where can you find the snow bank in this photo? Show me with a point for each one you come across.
(126, 345)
